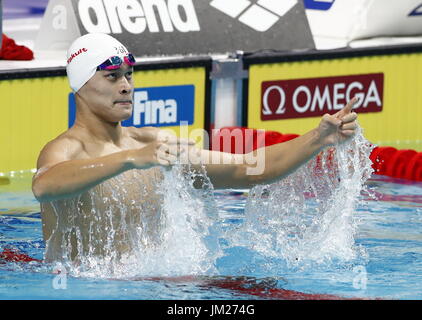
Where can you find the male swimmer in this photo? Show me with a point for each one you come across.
(83, 169)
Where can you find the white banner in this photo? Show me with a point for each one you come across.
(180, 27)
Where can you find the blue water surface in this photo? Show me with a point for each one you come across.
(389, 234)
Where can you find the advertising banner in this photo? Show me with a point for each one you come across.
(290, 94)
(167, 98)
(163, 106)
(304, 98)
(359, 19)
(166, 95)
(180, 27)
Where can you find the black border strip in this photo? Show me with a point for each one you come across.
(267, 57)
(191, 62)
(207, 102)
(245, 102)
(27, 73)
(14, 74)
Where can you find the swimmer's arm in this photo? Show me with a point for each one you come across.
(264, 165)
(270, 164)
(61, 176)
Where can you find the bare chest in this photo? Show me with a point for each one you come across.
(94, 149)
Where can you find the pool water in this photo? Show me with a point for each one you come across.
(388, 237)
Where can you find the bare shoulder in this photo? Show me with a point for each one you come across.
(66, 146)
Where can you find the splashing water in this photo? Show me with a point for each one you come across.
(307, 218)
(166, 233)
(304, 219)
(188, 246)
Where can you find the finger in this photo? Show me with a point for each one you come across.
(347, 109)
(166, 159)
(162, 139)
(349, 126)
(174, 150)
(188, 142)
(172, 159)
(163, 162)
(348, 133)
(161, 145)
(332, 120)
(178, 149)
(172, 140)
(349, 117)
(184, 149)
(165, 136)
(162, 149)
(181, 141)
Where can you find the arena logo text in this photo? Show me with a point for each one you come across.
(109, 16)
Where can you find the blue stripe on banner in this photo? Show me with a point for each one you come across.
(417, 11)
(319, 5)
(157, 106)
(18, 9)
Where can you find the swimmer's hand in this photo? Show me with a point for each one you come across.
(339, 127)
(164, 151)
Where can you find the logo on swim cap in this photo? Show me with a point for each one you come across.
(75, 54)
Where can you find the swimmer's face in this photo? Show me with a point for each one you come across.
(109, 93)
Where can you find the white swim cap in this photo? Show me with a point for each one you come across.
(86, 53)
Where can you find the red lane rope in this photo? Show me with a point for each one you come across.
(11, 255)
(244, 286)
(388, 161)
(271, 293)
(249, 286)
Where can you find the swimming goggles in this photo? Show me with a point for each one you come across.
(115, 62)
